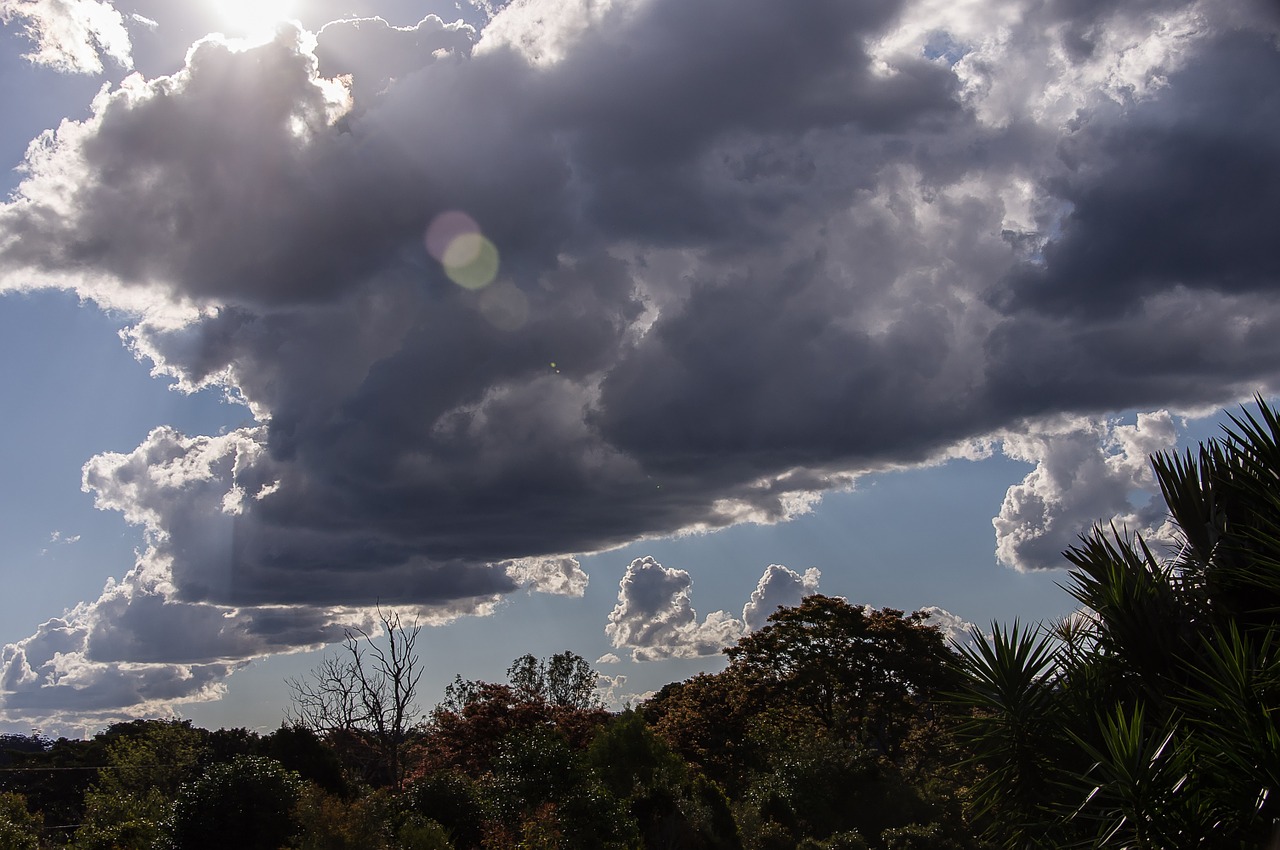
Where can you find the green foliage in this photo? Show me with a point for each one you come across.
(851, 840)
(301, 750)
(453, 800)
(1013, 686)
(857, 671)
(419, 833)
(825, 723)
(1148, 721)
(146, 763)
(917, 836)
(672, 806)
(248, 803)
(540, 782)
(19, 828)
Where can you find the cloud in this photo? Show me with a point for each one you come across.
(655, 617)
(57, 538)
(778, 587)
(71, 36)
(744, 252)
(608, 689)
(561, 576)
(953, 627)
(376, 54)
(608, 658)
(1087, 471)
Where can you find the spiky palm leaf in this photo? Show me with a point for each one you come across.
(1011, 688)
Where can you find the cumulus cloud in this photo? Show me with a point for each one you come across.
(953, 627)
(727, 257)
(1087, 471)
(608, 689)
(655, 618)
(72, 36)
(778, 587)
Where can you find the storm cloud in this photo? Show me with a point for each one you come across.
(718, 259)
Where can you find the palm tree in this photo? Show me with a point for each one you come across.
(1152, 718)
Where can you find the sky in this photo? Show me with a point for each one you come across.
(601, 325)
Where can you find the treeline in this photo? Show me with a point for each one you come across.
(1147, 720)
(824, 731)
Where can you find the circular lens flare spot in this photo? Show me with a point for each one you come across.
(480, 271)
(463, 250)
(447, 227)
(468, 257)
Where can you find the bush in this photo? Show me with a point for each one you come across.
(247, 803)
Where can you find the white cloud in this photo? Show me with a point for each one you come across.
(953, 627)
(608, 689)
(655, 618)
(779, 586)
(71, 35)
(1087, 472)
(562, 576)
(608, 658)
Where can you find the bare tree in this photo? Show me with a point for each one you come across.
(367, 689)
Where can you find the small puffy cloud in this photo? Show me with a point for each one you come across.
(1087, 471)
(71, 36)
(779, 586)
(608, 689)
(953, 627)
(608, 658)
(655, 618)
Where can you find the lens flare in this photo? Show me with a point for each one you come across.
(505, 306)
(468, 257)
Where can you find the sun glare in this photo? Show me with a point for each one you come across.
(254, 18)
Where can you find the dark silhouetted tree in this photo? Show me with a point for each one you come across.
(365, 696)
(1148, 720)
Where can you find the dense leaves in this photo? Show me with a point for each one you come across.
(1148, 720)
(825, 727)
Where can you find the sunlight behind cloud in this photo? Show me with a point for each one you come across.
(254, 19)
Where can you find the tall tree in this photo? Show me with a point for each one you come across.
(855, 668)
(826, 724)
(368, 691)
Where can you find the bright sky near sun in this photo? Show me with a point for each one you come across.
(254, 18)
(596, 326)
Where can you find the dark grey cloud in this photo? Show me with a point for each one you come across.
(1177, 191)
(745, 253)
